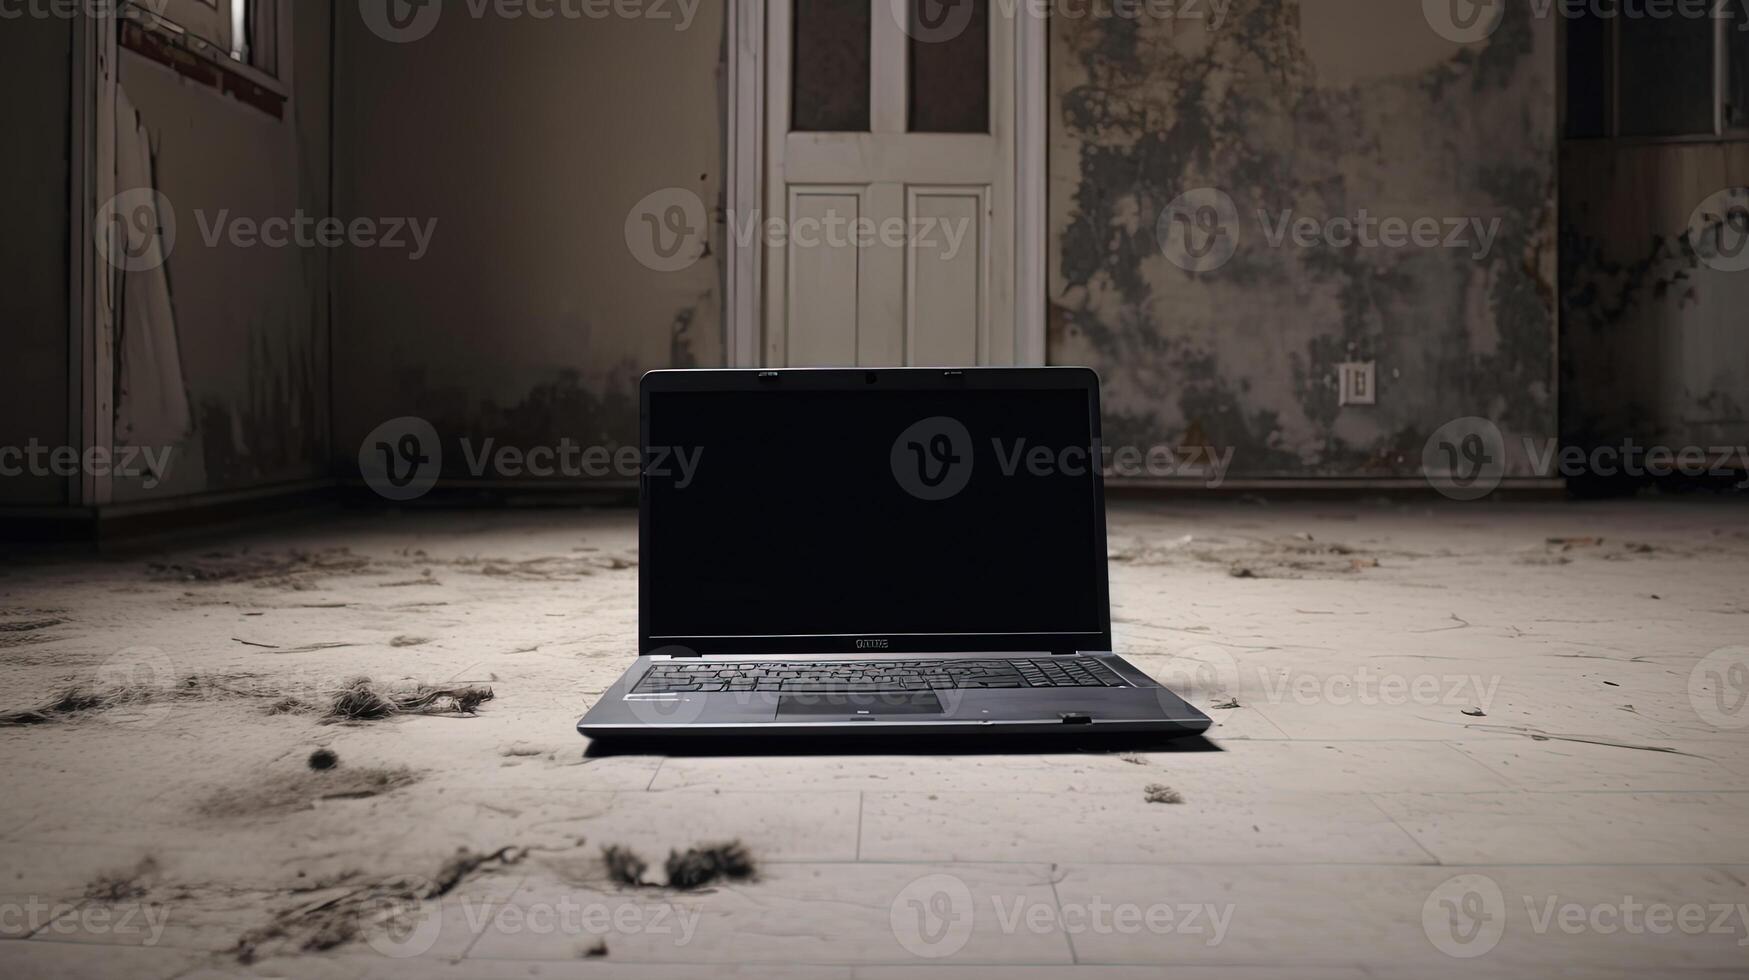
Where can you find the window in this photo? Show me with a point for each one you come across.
(1640, 71)
(832, 59)
(239, 31)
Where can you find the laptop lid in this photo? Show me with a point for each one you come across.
(895, 510)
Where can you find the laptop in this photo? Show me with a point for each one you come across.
(859, 552)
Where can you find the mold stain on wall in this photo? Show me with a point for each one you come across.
(1653, 346)
(1245, 356)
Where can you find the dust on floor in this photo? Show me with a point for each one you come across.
(196, 802)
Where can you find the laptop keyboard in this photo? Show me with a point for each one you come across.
(788, 676)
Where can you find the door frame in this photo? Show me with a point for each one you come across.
(745, 183)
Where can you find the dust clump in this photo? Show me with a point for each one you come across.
(1160, 793)
(75, 701)
(379, 903)
(365, 700)
(596, 951)
(624, 865)
(123, 886)
(322, 760)
(1226, 705)
(699, 866)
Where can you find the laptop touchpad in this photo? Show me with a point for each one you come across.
(859, 705)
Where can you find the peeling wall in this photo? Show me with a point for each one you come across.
(1654, 339)
(1321, 109)
(35, 59)
(252, 320)
(528, 142)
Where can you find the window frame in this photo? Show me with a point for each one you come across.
(273, 35)
(1721, 130)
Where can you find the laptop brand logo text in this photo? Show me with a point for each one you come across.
(880, 644)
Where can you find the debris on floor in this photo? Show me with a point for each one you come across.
(338, 919)
(1159, 793)
(322, 760)
(365, 700)
(74, 701)
(302, 790)
(1226, 705)
(1475, 712)
(123, 886)
(699, 866)
(687, 870)
(624, 865)
(464, 863)
(596, 951)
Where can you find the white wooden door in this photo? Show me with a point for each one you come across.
(892, 182)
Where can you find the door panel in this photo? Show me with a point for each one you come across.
(928, 277)
(947, 281)
(824, 277)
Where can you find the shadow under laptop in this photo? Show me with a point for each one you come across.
(873, 744)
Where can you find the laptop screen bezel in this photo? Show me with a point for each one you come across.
(848, 379)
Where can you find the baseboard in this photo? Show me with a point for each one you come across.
(145, 523)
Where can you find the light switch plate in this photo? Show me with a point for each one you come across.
(1357, 383)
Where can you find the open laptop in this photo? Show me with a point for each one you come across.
(894, 551)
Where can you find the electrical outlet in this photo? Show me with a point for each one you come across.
(1357, 383)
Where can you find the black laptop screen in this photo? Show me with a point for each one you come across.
(871, 513)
